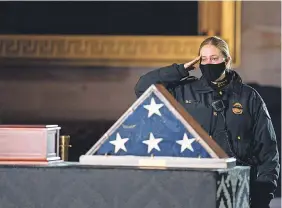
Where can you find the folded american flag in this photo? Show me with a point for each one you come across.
(154, 126)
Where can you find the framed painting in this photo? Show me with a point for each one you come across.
(129, 45)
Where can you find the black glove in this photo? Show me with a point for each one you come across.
(261, 194)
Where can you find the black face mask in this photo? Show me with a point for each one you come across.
(212, 72)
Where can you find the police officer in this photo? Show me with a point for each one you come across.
(232, 112)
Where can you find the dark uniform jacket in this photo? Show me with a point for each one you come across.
(247, 133)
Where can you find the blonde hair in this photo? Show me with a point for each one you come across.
(221, 45)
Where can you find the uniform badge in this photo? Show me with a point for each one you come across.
(237, 108)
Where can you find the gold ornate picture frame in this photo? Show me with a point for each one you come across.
(222, 18)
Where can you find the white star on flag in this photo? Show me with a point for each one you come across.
(153, 108)
(186, 143)
(119, 143)
(153, 143)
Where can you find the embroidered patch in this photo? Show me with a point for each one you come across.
(237, 108)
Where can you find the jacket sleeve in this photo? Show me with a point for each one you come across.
(266, 154)
(166, 75)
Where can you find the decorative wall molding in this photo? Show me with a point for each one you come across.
(104, 47)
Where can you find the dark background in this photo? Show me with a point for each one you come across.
(98, 17)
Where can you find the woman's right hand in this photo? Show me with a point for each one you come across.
(190, 65)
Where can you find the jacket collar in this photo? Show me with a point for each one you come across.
(234, 86)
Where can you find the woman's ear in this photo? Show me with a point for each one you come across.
(227, 62)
